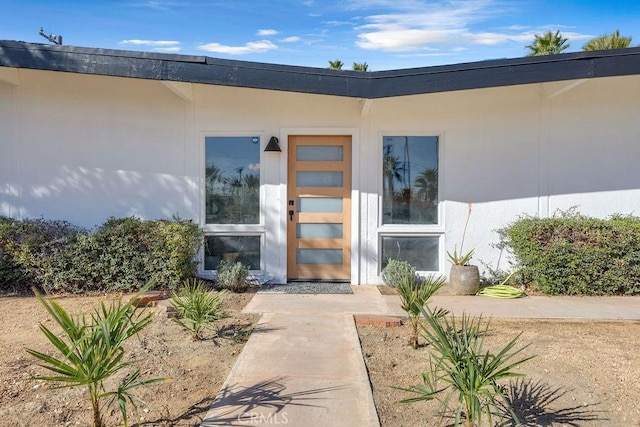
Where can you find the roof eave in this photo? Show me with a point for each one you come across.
(370, 85)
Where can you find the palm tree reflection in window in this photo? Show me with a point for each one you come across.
(232, 200)
(410, 199)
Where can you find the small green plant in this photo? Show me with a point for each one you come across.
(462, 258)
(460, 368)
(91, 351)
(233, 276)
(197, 308)
(414, 294)
(397, 271)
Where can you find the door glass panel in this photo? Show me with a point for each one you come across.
(321, 231)
(320, 204)
(319, 256)
(319, 153)
(319, 179)
(419, 251)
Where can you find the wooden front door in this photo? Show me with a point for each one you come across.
(319, 208)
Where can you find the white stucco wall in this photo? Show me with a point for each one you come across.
(90, 147)
(83, 148)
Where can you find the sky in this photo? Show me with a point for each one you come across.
(386, 34)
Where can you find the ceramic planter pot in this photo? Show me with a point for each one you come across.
(464, 279)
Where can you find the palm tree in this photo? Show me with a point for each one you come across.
(360, 66)
(547, 44)
(252, 181)
(391, 168)
(605, 41)
(213, 175)
(336, 65)
(427, 182)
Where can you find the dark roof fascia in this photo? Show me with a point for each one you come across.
(182, 68)
(370, 85)
(507, 72)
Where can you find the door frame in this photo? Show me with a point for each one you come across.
(355, 191)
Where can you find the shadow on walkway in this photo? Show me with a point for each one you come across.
(239, 405)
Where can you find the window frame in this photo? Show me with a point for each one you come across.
(412, 230)
(212, 230)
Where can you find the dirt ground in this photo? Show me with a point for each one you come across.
(585, 373)
(197, 368)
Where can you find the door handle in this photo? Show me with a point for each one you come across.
(291, 215)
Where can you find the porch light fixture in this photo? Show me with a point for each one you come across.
(273, 145)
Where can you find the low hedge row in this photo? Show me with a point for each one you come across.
(120, 255)
(573, 254)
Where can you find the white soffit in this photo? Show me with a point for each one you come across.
(9, 76)
(181, 89)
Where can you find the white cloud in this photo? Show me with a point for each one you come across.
(157, 5)
(403, 40)
(291, 39)
(151, 43)
(337, 23)
(260, 46)
(266, 33)
(416, 26)
(254, 166)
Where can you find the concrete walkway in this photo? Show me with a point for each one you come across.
(303, 365)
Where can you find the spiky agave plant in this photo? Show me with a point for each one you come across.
(461, 369)
(91, 350)
(197, 308)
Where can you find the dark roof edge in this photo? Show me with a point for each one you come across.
(378, 84)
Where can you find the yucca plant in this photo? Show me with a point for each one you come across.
(414, 294)
(197, 308)
(461, 369)
(91, 350)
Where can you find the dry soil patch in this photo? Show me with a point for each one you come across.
(197, 369)
(585, 373)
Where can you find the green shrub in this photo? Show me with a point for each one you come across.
(24, 243)
(397, 271)
(120, 255)
(573, 254)
(232, 276)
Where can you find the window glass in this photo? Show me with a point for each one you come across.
(422, 252)
(245, 249)
(410, 180)
(232, 180)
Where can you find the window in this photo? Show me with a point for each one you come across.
(422, 252)
(244, 249)
(232, 180)
(410, 180)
